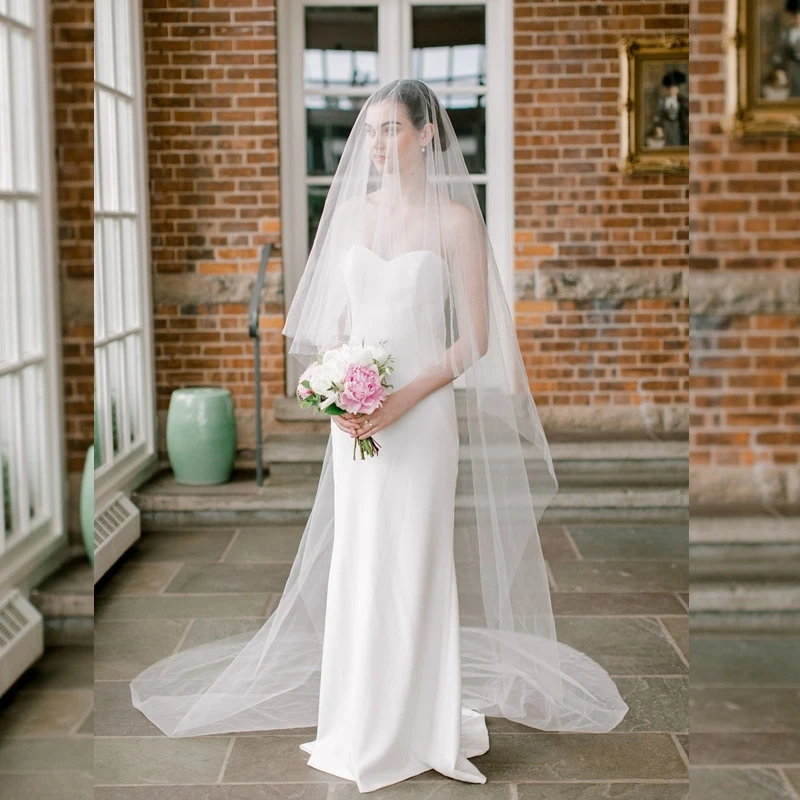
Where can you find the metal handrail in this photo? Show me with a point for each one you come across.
(253, 317)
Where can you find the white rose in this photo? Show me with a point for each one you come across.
(378, 351)
(321, 378)
(337, 361)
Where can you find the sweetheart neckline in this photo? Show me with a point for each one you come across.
(396, 258)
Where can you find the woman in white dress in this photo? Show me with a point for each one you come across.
(418, 601)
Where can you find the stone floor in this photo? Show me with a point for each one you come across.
(745, 717)
(619, 593)
(46, 745)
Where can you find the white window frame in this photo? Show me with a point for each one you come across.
(34, 544)
(134, 465)
(394, 61)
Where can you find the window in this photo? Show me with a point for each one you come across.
(124, 408)
(334, 54)
(31, 436)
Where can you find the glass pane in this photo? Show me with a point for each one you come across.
(127, 177)
(133, 386)
(98, 159)
(9, 423)
(449, 44)
(102, 443)
(480, 190)
(122, 35)
(99, 281)
(328, 124)
(106, 119)
(468, 115)
(316, 202)
(21, 10)
(103, 44)
(29, 272)
(8, 292)
(341, 46)
(34, 405)
(5, 114)
(112, 275)
(22, 112)
(131, 267)
(115, 353)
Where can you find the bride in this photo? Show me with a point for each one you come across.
(418, 602)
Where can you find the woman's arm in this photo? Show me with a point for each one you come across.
(470, 296)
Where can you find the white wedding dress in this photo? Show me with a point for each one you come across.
(401, 624)
(390, 702)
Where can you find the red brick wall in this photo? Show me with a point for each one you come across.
(574, 209)
(213, 150)
(745, 390)
(211, 83)
(579, 353)
(73, 95)
(745, 211)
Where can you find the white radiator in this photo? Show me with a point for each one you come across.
(116, 528)
(21, 637)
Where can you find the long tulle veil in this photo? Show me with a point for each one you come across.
(392, 198)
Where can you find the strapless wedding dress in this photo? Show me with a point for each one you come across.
(372, 641)
(390, 687)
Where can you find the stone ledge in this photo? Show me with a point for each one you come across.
(643, 419)
(774, 488)
(743, 526)
(187, 288)
(729, 292)
(293, 447)
(623, 283)
(77, 301)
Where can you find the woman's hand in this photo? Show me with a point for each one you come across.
(393, 407)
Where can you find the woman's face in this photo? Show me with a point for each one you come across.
(391, 135)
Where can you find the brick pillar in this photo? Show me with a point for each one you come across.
(73, 97)
(212, 129)
(745, 207)
(601, 256)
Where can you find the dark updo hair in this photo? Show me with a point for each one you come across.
(422, 105)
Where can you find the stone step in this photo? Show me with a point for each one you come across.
(288, 500)
(559, 422)
(745, 569)
(590, 463)
(760, 607)
(66, 601)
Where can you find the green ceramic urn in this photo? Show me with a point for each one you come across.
(87, 503)
(201, 435)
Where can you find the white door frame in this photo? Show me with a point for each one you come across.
(37, 543)
(134, 464)
(394, 48)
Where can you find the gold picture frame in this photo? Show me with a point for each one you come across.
(647, 65)
(754, 101)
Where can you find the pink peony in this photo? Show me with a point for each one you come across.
(362, 392)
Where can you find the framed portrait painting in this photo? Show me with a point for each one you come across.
(654, 104)
(762, 65)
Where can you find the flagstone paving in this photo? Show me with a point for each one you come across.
(619, 594)
(745, 717)
(46, 729)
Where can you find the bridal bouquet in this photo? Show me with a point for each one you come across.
(348, 379)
